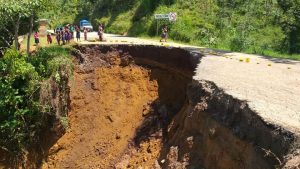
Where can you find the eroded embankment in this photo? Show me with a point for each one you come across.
(111, 97)
(215, 130)
(137, 106)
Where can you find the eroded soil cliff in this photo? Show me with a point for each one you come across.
(138, 107)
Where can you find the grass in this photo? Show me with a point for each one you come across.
(266, 53)
(33, 47)
(43, 43)
(281, 55)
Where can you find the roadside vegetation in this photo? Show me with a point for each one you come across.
(260, 27)
(29, 82)
(23, 114)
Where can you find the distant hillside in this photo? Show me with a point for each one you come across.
(256, 26)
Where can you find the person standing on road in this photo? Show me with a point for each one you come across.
(36, 38)
(62, 34)
(100, 32)
(49, 38)
(85, 34)
(72, 29)
(77, 33)
(164, 34)
(68, 36)
(58, 37)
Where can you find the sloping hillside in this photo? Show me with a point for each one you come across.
(254, 26)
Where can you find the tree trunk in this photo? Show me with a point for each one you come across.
(29, 34)
(17, 25)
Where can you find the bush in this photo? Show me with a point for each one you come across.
(22, 116)
(268, 38)
(19, 83)
(47, 60)
(239, 43)
(183, 30)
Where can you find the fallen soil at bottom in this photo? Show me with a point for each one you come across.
(107, 107)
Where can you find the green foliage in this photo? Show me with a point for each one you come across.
(290, 21)
(18, 102)
(267, 38)
(47, 61)
(22, 117)
(64, 121)
(16, 13)
(250, 25)
(61, 12)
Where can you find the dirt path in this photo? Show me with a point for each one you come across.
(106, 109)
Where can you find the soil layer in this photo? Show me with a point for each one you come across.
(107, 106)
(118, 112)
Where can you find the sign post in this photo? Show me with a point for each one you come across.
(172, 17)
(161, 16)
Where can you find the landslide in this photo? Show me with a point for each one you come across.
(116, 105)
(138, 107)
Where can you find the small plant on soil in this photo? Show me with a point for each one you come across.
(64, 121)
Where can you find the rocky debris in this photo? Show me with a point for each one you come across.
(94, 87)
(109, 117)
(55, 149)
(173, 160)
(156, 165)
(118, 136)
(147, 109)
(212, 133)
(294, 163)
(190, 141)
(99, 150)
(124, 163)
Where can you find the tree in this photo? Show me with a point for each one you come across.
(34, 6)
(12, 13)
(290, 22)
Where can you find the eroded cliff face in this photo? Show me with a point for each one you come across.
(138, 106)
(193, 124)
(215, 130)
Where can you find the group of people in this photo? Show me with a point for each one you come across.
(65, 34)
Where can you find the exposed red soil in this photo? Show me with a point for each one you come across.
(128, 116)
(106, 109)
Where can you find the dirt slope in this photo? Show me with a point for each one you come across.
(107, 107)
